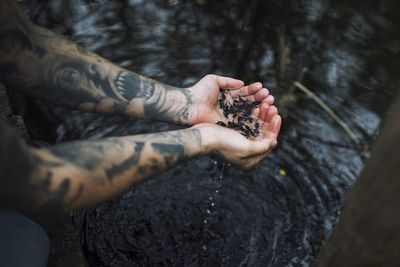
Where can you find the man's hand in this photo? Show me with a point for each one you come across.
(207, 91)
(235, 148)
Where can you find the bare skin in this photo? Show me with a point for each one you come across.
(81, 174)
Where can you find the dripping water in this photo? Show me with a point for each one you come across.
(215, 196)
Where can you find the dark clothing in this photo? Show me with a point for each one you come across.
(22, 241)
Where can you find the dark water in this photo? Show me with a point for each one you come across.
(205, 212)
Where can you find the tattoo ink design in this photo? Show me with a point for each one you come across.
(40, 184)
(66, 74)
(131, 86)
(69, 75)
(150, 168)
(77, 154)
(193, 135)
(170, 152)
(174, 152)
(127, 85)
(160, 101)
(82, 81)
(118, 169)
(51, 201)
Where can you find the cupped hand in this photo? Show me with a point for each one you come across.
(238, 150)
(207, 91)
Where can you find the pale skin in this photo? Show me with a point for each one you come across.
(77, 175)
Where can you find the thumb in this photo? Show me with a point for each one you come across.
(225, 82)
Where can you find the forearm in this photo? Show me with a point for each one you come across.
(81, 174)
(48, 66)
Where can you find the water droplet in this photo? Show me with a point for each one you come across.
(212, 204)
(208, 211)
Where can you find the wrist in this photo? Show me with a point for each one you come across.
(187, 103)
(209, 141)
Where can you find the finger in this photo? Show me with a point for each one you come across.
(246, 90)
(263, 111)
(272, 111)
(273, 128)
(256, 112)
(268, 123)
(269, 99)
(227, 82)
(261, 94)
(260, 149)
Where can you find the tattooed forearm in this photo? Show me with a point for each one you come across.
(160, 102)
(66, 74)
(117, 169)
(171, 153)
(80, 174)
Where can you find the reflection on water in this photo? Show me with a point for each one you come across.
(279, 213)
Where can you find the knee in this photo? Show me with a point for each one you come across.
(35, 236)
(22, 240)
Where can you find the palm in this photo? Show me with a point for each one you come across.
(207, 92)
(207, 99)
(247, 152)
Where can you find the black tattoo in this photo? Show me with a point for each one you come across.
(119, 169)
(171, 153)
(154, 168)
(159, 99)
(77, 154)
(51, 201)
(162, 105)
(127, 85)
(178, 137)
(151, 167)
(70, 81)
(69, 75)
(40, 184)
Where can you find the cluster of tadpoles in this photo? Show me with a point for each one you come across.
(239, 115)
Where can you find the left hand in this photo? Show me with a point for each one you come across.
(235, 148)
(206, 95)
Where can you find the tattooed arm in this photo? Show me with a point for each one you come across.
(81, 174)
(48, 66)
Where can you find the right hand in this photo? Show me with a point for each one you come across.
(237, 149)
(206, 94)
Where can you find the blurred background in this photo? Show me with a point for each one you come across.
(206, 212)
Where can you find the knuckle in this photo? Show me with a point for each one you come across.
(210, 76)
